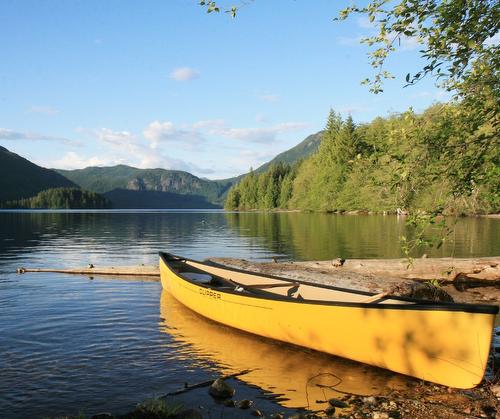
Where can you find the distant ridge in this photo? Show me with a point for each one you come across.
(301, 151)
(130, 187)
(20, 178)
(127, 185)
(121, 177)
(124, 198)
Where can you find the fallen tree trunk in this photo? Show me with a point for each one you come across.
(446, 269)
(423, 269)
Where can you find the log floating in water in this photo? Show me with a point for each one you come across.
(109, 270)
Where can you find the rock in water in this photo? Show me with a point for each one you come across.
(337, 403)
(221, 390)
(244, 404)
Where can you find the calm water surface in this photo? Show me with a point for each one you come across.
(72, 344)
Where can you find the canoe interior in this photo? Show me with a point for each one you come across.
(224, 279)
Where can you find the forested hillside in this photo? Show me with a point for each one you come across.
(61, 198)
(171, 187)
(106, 179)
(125, 198)
(441, 160)
(299, 152)
(19, 178)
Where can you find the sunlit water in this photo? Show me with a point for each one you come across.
(71, 344)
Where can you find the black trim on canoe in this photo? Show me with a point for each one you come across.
(419, 304)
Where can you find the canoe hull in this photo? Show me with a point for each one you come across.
(448, 346)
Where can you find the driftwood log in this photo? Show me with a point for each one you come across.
(447, 269)
(152, 271)
(424, 269)
(389, 276)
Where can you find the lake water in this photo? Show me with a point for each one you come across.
(71, 344)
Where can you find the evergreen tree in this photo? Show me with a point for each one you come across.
(62, 198)
(444, 159)
(233, 199)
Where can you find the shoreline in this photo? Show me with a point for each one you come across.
(420, 401)
(397, 212)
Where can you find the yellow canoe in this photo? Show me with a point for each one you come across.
(446, 343)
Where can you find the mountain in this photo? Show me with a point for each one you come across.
(125, 198)
(19, 178)
(125, 178)
(299, 152)
(130, 187)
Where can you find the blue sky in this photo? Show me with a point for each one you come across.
(163, 84)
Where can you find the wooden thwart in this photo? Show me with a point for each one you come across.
(376, 297)
(264, 286)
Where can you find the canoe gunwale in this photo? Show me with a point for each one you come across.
(260, 294)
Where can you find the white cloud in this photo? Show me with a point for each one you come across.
(8, 134)
(44, 110)
(119, 138)
(165, 132)
(270, 97)
(123, 147)
(147, 150)
(73, 160)
(219, 128)
(150, 160)
(184, 74)
(143, 159)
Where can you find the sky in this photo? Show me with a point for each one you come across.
(163, 84)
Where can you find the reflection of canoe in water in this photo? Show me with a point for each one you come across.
(446, 343)
(291, 372)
